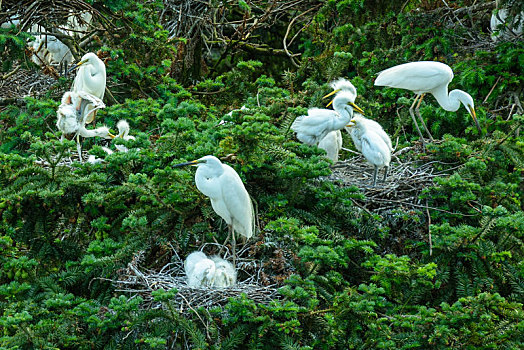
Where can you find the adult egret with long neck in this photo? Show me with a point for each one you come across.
(91, 78)
(227, 193)
(427, 77)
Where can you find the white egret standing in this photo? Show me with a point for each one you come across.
(227, 193)
(312, 128)
(374, 148)
(427, 77)
(91, 77)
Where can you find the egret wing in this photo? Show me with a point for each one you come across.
(237, 201)
(419, 77)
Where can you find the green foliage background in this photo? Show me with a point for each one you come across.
(354, 280)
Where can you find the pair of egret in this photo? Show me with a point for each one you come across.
(228, 196)
(78, 107)
(202, 271)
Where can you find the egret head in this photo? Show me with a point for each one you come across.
(468, 103)
(343, 99)
(341, 84)
(211, 161)
(123, 128)
(88, 58)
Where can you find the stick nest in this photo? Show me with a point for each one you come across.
(26, 83)
(405, 181)
(139, 281)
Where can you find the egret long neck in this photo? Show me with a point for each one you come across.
(447, 101)
(343, 119)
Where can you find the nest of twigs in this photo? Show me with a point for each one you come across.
(21, 83)
(405, 181)
(139, 281)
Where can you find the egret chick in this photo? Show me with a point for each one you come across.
(123, 133)
(374, 149)
(91, 77)
(203, 274)
(427, 77)
(191, 260)
(312, 128)
(225, 273)
(332, 144)
(227, 193)
(356, 133)
(341, 84)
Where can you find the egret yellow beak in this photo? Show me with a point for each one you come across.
(331, 93)
(351, 123)
(356, 108)
(111, 135)
(193, 162)
(76, 66)
(471, 111)
(329, 104)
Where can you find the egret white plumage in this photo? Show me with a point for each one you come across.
(203, 273)
(427, 77)
(374, 149)
(123, 133)
(71, 118)
(505, 26)
(312, 128)
(225, 273)
(191, 260)
(356, 133)
(332, 144)
(91, 77)
(342, 84)
(227, 193)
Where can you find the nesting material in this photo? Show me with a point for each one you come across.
(401, 189)
(136, 280)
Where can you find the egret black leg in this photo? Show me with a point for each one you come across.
(415, 121)
(234, 246)
(385, 173)
(421, 119)
(375, 176)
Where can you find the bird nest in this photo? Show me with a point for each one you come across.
(139, 281)
(405, 181)
(21, 83)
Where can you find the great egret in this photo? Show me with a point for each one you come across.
(225, 273)
(332, 144)
(227, 193)
(123, 132)
(374, 148)
(91, 78)
(427, 77)
(312, 128)
(71, 119)
(356, 133)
